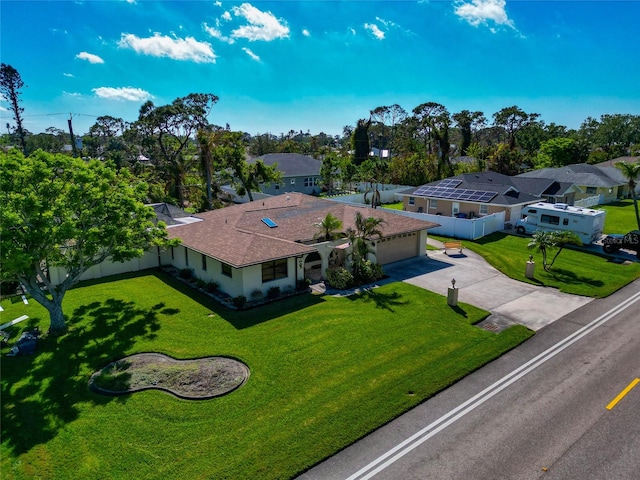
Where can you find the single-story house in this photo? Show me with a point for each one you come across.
(300, 173)
(274, 242)
(478, 194)
(605, 181)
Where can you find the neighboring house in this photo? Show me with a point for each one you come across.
(272, 243)
(626, 159)
(300, 173)
(604, 181)
(478, 194)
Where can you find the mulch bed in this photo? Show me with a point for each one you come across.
(194, 379)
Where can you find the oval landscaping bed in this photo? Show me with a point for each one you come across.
(194, 379)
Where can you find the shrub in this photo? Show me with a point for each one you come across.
(339, 278)
(257, 294)
(303, 284)
(273, 292)
(186, 273)
(240, 301)
(370, 272)
(212, 286)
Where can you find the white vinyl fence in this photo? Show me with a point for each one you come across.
(463, 228)
(588, 202)
(387, 195)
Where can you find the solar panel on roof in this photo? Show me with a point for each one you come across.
(451, 182)
(269, 223)
(455, 193)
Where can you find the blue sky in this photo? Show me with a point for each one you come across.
(320, 65)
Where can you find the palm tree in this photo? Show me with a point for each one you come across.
(544, 241)
(330, 227)
(631, 171)
(366, 228)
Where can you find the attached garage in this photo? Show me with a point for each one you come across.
(398, 247)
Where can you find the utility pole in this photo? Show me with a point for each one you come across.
(73, 138)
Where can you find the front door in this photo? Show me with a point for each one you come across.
(455, 208)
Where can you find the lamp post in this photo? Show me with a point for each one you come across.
(452, 294)
(530, 269)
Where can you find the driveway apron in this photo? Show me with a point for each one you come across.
(481, 285)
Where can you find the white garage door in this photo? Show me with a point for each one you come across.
(398, 248)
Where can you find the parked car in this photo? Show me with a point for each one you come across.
(616, 241)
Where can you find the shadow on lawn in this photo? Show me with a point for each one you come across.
(40, 392)
(243, 318)
(569, 277)
(382, 300)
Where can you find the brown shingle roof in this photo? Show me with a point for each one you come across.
(236, 235)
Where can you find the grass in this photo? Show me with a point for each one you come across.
(575, 271)
(325, 371)
(394, 205)
(621, 217)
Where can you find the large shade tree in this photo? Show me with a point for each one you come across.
(172, 129)
(59, 211)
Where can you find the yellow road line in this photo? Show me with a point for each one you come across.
(615, 401)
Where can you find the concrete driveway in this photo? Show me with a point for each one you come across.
(481, 285)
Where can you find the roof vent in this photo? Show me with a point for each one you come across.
(560, 206)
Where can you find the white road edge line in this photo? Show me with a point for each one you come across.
(400, 450)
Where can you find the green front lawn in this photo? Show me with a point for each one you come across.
(575, 271)
(621, 217)
(324, 372)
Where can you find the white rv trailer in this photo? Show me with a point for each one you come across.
(586, 223)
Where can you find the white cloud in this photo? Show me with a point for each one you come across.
(188, 48)
(70, 75)
(218, 4)
(251, 54)
(89, 57)
(262, 25)
(375, 30)
(226, 16)
(306, 32)
(215, 33)
(480, 12)
(130, 94)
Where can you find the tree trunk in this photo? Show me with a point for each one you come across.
(58, 325)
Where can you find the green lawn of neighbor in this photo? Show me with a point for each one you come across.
(575, 271)
(621, 217)
(394, 205)
(324, 372)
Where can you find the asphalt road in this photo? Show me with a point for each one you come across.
(539, 411)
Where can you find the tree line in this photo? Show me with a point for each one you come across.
(186, 160)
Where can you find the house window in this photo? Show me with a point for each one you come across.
(226, 270)
(186, 256)
(433, 204)
(204, 262)
(310, 182)
(412, 200)
(550, 219)
(592, 190)
(484, 209)
(277, 186)
(565, 221)
(274, 270)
